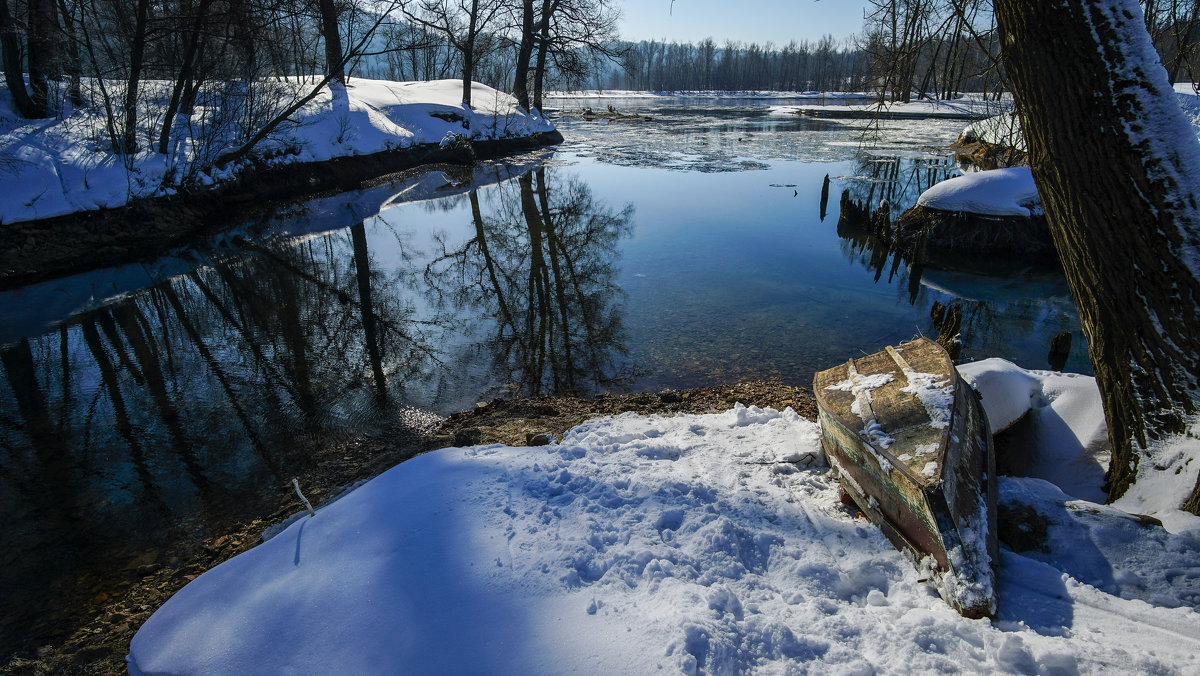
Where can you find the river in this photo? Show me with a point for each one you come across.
(149, 404)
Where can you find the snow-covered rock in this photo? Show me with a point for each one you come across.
(998, 192)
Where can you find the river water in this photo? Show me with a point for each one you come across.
(149, 404)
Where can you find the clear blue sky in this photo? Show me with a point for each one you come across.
(744, 20)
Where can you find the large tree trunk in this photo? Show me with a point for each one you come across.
(524, 54)
(10, 49)
(136, 58)
(335, 66)
(468, 53)
(1116, 165)
(543, 46)
(44, 60)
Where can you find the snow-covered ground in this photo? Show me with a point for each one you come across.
(694, 544)
(53, 167)
(1005, 129)
(704, 94)
(998, 192)
(967, 107)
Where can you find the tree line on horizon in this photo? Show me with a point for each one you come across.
(230, 55)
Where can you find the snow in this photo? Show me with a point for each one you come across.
(687, 544)
(969, 106)
(935, 394)
(704, 94)
(1166, 476)
(1066, 422)
(998, 192)
(859, 386)
(56, 167)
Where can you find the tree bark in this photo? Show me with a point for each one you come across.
(10, 48)
(468, 53)
(136, 57)
(1115, 163)
(44, 60)
(335, 66)
(72, 65)
(543, 45)
(524, 54)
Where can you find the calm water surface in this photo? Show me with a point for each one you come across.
(150, 405)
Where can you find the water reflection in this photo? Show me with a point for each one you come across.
(540, 268)
(140, 409)
(160, 417)
(163, 415)
(1008, 307)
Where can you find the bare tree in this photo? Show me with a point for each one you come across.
(465, 25)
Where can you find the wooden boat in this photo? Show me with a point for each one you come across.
(910, 445)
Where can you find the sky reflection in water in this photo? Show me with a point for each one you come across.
(149, 405)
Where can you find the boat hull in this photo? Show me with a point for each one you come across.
(931, 486)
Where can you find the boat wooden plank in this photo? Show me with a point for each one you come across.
(926, 475)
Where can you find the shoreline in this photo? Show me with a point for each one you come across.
(38, 250)
(99, 644)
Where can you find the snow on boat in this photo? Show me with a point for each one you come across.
(910, 445)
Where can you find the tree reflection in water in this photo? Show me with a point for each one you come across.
(541, 266)
(148, 424)
(1022, 303)
(165, 416)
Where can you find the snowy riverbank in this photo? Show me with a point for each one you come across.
(967, 107)
(62, 166)
(696, 543)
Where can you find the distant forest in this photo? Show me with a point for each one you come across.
(147, 67)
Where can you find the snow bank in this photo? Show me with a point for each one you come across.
(969, 106)
(54, 167)
(999, 192)
(1105, 547)
(692, 544)
(1064, 439)
(703, 94)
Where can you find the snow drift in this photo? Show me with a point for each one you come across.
(56, 167)
(693, 544)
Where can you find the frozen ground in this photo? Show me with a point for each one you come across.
(54, 167)
(693, 544)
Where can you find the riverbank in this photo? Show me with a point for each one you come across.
(71, 203)
(99, 644)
